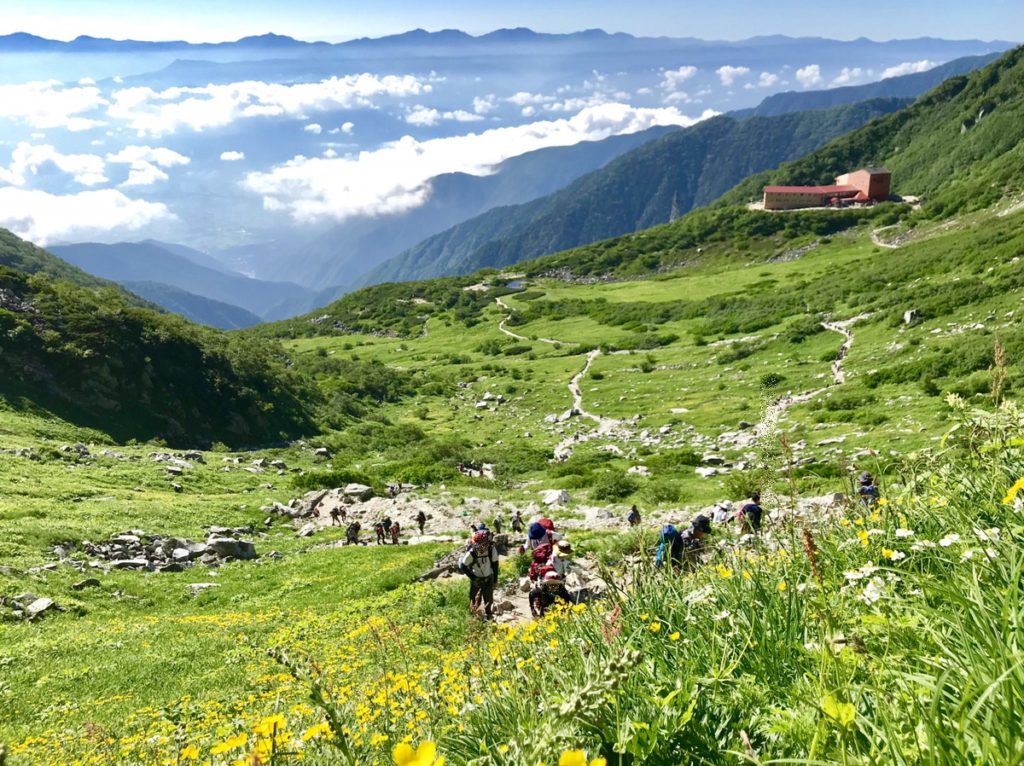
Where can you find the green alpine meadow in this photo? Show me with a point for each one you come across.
(639, 473)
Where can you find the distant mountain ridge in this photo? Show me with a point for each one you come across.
(345, 252)
(146, 262)
(652, 184)
(25, 42)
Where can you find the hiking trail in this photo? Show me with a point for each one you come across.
(779, 407)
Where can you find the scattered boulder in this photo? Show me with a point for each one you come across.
(307, 530)
(230, 548)
(40, 607)
(552, 497)
(194, 589)
(89, 582)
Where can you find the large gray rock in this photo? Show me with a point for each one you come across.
(229, 548)
(41, 607)
(130, 564)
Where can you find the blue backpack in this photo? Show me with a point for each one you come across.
(668, 534)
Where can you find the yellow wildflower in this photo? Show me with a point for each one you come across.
(673, 636)
(862, 535)
(1011, 493)
(579, 758)
(724, 572)
(269, 725)
(781, 586)
(655, 627)
(317, 731)
(189, 753)
(424, 755)
(888, 553)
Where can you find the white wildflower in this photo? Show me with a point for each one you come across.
(991, 534)
(991, 553)
(949, 539)
(968, 554)
(872, 591)
(725, 614)
(904, 533)
(898, 556)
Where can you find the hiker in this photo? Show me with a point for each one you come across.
(750, 514)
(724, 512)
(537, 536)
(548, 591)
(682, 548)
(560, 557)
(352, 533)
(517, 523)
(385, 529)
(335, 514)
(378, 528)
(633, 517)
(498, 524)
(541, 563)
(868, 490)
(421, 520)
(549, 526)
(480, 565)
(395, 530)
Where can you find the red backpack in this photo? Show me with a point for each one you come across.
(541, 554)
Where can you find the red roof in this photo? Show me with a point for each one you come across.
(809, 189)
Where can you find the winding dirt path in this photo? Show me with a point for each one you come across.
(517, 336)
(779, 407)
(876, 240)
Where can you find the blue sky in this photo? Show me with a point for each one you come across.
(335, 20)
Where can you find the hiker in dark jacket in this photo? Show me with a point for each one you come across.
(517, 523)
(634, 517)
(378, 528)
(750, 514)
(395, 531)
(868, 490)
(352, 533)
(549, 590)
(480, 565)
(421, 520)
(683, 548)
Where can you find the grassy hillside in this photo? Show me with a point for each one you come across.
(647, 186)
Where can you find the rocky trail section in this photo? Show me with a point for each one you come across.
(517, 336)
(775, 410)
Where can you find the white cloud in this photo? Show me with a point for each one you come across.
(146, 163)
(909, 67)
(485, 104)
(157, 155)
(528, 111)
(767, 80)
(395, 176)
(144, 174)
(522, 98)
(42, 217)
(232, 156)
(850, 75)
(729, 74)
(426, 116)
(644, 91)
(150, 112)
(47, 104)
(809, 76)
(423, 116)
(27, 159)
(673, 78)
(314, 128)
(347, 128)
(330, 153)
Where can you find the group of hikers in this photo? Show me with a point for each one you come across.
(550, 553)
(549, 564)
(387, 529)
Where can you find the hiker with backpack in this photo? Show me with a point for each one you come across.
(549, 590)
(560, 554)
(540, 563)
(499, 522)
(395, 531)
(750, 514)
(633, 517)
(352, 533)
(421, 520)
(682, 548)
(338, 515)
(868, 490)
(480, 565)
(378, 528)
(517, 523)
(537, 536)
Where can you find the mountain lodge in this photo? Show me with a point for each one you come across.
(864, 186)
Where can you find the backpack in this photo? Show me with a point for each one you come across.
(668, 534)
(541, 554)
